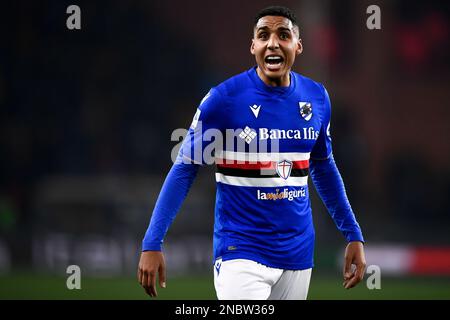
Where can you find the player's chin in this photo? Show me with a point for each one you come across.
(274, 72)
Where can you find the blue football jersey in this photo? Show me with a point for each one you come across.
(261, 140)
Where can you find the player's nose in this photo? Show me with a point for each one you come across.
(273, 42)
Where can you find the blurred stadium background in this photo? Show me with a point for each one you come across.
(86, 118)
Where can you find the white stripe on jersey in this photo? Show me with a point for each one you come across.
(262, 182)
(262, 156)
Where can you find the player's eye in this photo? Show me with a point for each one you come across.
(284, 36)
(262, 35)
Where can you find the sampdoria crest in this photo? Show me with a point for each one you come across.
(305, 110)
(284, 168)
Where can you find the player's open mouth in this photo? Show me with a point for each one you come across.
(274, 62)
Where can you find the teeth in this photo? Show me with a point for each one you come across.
(274, 60)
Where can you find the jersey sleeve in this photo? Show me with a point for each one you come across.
(330, 187)
(176, 186)
(173, 192)
(205, 130)
(322, 148)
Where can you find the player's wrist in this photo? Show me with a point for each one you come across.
(151, 246)
(355, 237)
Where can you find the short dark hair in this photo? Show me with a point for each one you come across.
(277, 11)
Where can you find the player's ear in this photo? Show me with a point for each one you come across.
(299, 47)
(252, 47)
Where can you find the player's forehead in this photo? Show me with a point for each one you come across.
(274, 23)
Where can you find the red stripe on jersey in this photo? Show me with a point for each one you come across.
(302, 164)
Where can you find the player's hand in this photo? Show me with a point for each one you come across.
(354, 255)
(150, 264)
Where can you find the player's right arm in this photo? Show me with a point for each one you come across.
(174, 190)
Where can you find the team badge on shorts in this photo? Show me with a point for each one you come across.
(305, 110)
(284, 168)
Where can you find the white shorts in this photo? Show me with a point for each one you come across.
(242, 279)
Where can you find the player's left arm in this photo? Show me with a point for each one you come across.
(330, 187)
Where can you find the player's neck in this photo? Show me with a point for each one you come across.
(284, 81)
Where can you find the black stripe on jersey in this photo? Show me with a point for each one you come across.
(259, 173)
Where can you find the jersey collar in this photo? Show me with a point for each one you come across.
(280, 91)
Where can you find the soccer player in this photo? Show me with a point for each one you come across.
(263, 232)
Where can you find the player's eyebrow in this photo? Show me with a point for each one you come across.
(264, 28)
(284, 29)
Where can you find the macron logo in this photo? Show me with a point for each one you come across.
(255, 110)
(247, 134)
